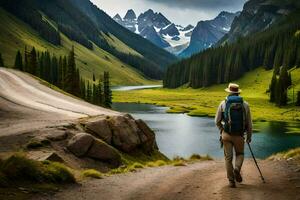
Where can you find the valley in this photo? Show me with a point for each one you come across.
(204, 101)
(100, 107)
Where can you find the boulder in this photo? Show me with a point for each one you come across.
(125, 133)
(147, 136)
(51, 156)
(104, 152)
(100, 128)
(56, 135)
(80, 144)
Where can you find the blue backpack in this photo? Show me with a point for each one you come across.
(235, 116)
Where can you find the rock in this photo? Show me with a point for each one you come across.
(101, 129)
(52, 156)
(104, 152)
(125, 133)
(80, 144)
(57, 135)
(147, 136)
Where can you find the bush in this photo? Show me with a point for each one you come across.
(195, 157)
(160, 163)
(179, 163)
(34, 144)
(20, 168)
(92, 173)
(178, 158)
(58, 172)
(137, 166)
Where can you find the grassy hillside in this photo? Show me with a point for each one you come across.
(15, 35)
(204, 102)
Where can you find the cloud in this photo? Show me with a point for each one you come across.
(203, 4)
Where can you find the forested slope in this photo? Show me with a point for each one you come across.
(274, 47)
(51, 18)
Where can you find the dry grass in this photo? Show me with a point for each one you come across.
(92, 173)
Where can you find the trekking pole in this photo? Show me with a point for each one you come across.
(261, 176)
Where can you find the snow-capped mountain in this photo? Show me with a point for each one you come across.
(158, 29)
(179, 40)
(209, 32)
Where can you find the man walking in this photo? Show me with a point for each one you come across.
(233, 118)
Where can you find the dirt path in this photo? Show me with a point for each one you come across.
(26, 104)
(204, 180)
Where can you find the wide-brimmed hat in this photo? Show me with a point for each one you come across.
(233, 88)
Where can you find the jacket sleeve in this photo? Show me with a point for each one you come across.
(248, 122)
(218, 118)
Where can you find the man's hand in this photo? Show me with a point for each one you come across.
(248, 140)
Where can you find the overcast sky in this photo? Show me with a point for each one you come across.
(181, 12)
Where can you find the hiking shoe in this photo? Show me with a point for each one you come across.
(232, 184)
(237, 176)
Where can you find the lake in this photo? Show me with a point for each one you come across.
(182, 135)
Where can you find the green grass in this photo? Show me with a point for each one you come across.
(18, 168)
(293, 153)
(205, 101)
(34, 144)
(92, 173)
(15, 34)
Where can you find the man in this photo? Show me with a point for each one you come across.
(233, 118)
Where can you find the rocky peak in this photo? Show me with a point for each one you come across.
(130, 15)
(117, 18)
(170, 30)
(188, 27)
(258, 15)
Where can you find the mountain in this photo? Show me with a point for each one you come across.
(276, 46)
(158, 29)
(209, 32)
(182, 41)
(82, 22)
(258, 15)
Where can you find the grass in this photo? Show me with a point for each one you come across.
(290, 154)
(34, 144)
(92, 173)
(204, 101)
(18, 168)
(15, 34)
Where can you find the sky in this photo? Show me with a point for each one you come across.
(181, 12)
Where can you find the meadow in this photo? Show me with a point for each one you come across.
(204, 101)
(15, 35)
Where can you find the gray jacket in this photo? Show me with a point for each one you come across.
(221, 110)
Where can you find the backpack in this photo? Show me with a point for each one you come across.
(234, 116)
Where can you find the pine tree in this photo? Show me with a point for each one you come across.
(107, 91)
(1, 61)
(33, 64)
(99, 92)
(54, 71)
(70, 73)
(273, 88)
(95, 95)
(281, 91)
(298, 99)
(289, 81)
(88, 92)
(82, 89)
(60, 72)
(18, 61)
(26, 60)
(64, 72)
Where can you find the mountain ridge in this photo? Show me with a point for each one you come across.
(83, 22)
(209, 32)
(175, 38)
